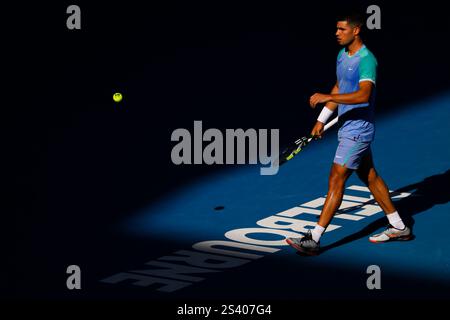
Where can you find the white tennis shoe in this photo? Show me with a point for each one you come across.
(391, 234)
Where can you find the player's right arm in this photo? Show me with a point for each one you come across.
(318, 127)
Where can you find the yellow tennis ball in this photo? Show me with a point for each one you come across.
(117, 97)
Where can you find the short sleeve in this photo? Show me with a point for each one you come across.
(340, 54)
(368, 69)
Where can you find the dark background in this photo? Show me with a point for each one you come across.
(80, 162)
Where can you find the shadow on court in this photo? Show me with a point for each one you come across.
(424, 195)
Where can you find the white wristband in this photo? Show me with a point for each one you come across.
(325, 115)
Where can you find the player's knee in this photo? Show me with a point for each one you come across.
(368, 178)
(372, 177)
(337, 178)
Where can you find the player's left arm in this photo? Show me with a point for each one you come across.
(362, 95)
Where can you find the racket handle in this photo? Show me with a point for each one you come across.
(330, 124)
(327, 126)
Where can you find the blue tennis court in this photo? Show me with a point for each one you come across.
(410, 153)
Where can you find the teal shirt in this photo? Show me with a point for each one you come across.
(356, 120)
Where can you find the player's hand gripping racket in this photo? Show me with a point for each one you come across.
(291, 151)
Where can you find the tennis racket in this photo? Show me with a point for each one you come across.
(291, 151)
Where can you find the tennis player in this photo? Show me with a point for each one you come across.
(354, 97)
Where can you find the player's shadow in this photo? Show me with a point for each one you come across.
(424, 195)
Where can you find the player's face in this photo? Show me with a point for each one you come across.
(345, 33)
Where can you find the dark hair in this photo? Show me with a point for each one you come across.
(355, 19)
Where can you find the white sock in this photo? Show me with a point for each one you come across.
(395, 220)
(317, 233)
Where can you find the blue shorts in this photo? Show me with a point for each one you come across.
(350, 152)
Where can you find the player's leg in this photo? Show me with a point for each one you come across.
(336, 184)
(346, 153)
(310, 243)
(396, 229)
(367, 173)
